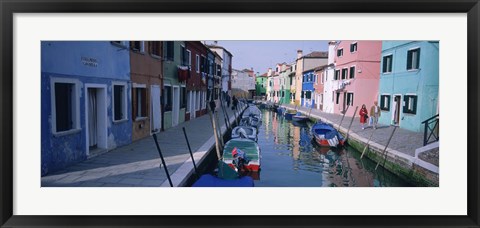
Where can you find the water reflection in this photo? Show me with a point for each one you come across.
(290, 158)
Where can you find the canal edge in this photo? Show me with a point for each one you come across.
(183, 173)
(409, 168)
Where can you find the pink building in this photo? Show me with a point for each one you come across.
(276, 88)
(357, 75)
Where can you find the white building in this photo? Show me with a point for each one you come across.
(328, 88)
(242, 81)
(226, 66)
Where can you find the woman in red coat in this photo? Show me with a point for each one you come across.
(363, 116)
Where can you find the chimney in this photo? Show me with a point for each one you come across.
(269, 72)
(299, 54)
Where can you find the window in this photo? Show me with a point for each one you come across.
(303, 94)
(138, 46)
(139, 101)
(413, 59)
(337, 74)
(385, 102)
(119, 43)
(338, 98)
(353, 47)
(167, 95)
(340, 52)
(219, 70)
(66, 100)
(189, 59)
(155, 48)
(119, 102)
(183, 97)
(410, 105)
(350, 99)
(197, 63)
(308, 94)
(169, 52)
(197, 102)
(202, 64)
(352, 72)
(344, 73)
(387, 64)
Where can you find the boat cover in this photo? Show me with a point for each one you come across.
(208, 180)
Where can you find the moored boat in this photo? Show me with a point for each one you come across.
(242, 154)
(252, 111)
(298, 117)
(225, 177)
(289, 114)
(326, 135)
(246, 132)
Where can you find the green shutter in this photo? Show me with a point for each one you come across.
(409, 60)
(414, 111)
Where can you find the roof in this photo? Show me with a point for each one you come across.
(316, 54)
(318, 68)
(219, 47)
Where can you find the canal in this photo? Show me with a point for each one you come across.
(290, 158)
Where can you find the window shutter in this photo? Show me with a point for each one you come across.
(418, 59)
(405, 104)
(409, 60)
(414, 111)
(384, 64)
(134, 108)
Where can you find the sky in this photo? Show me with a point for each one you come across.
(264, 54)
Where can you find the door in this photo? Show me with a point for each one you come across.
(176, 105)
(96, 118)
(155, 121)
(344, 102)
(396, 109)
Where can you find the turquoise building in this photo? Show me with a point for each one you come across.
(409, 76)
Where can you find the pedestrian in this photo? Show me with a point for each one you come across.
(227, 97)
(375, 114)
(363, 116)
(234, 103)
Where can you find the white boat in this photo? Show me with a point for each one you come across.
(246, 132)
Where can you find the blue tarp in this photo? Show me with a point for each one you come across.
(208, 180)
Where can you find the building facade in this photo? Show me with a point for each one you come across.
(242, 83)
(175, 73)
(356, 77)
(195, 54)
(308, 80)
(261, 85)
(86, 103)
(409, 81)
(328, 89)
(320, 74)
(306, 63)
(226, 67)
(146, 75)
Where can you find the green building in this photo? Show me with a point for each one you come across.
(261, 85)
(174, 86)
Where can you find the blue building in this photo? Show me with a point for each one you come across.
(408, 92)
(85, 95)
(308, 89)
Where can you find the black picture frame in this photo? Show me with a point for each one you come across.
(9, 7)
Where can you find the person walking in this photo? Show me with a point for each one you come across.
(375, 114)
(363, 116)
(234, 103)
(227, 97)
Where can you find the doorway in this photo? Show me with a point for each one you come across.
(96, 119)
(156, 114)
(176, 105)
(397, 100)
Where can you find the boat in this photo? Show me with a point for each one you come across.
(242, 154)
(246, 132)
(281, 110)
(252, 111)
(225, 177)
(289, 114)
(326, 135)
(298, 117)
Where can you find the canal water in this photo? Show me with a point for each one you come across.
(290, 158)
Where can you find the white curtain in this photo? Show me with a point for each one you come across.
(92, 117)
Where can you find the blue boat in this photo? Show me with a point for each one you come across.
(289, 114)
(225, 177)
(326, 135)
(300, 118)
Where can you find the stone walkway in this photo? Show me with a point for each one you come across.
(138, 164)
(404, 141)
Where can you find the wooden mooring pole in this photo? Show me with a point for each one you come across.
(190, 149)
(350, 125)
(163, 160)
(217, 146)
(343, 116)
(368, 143)
(384, 153)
